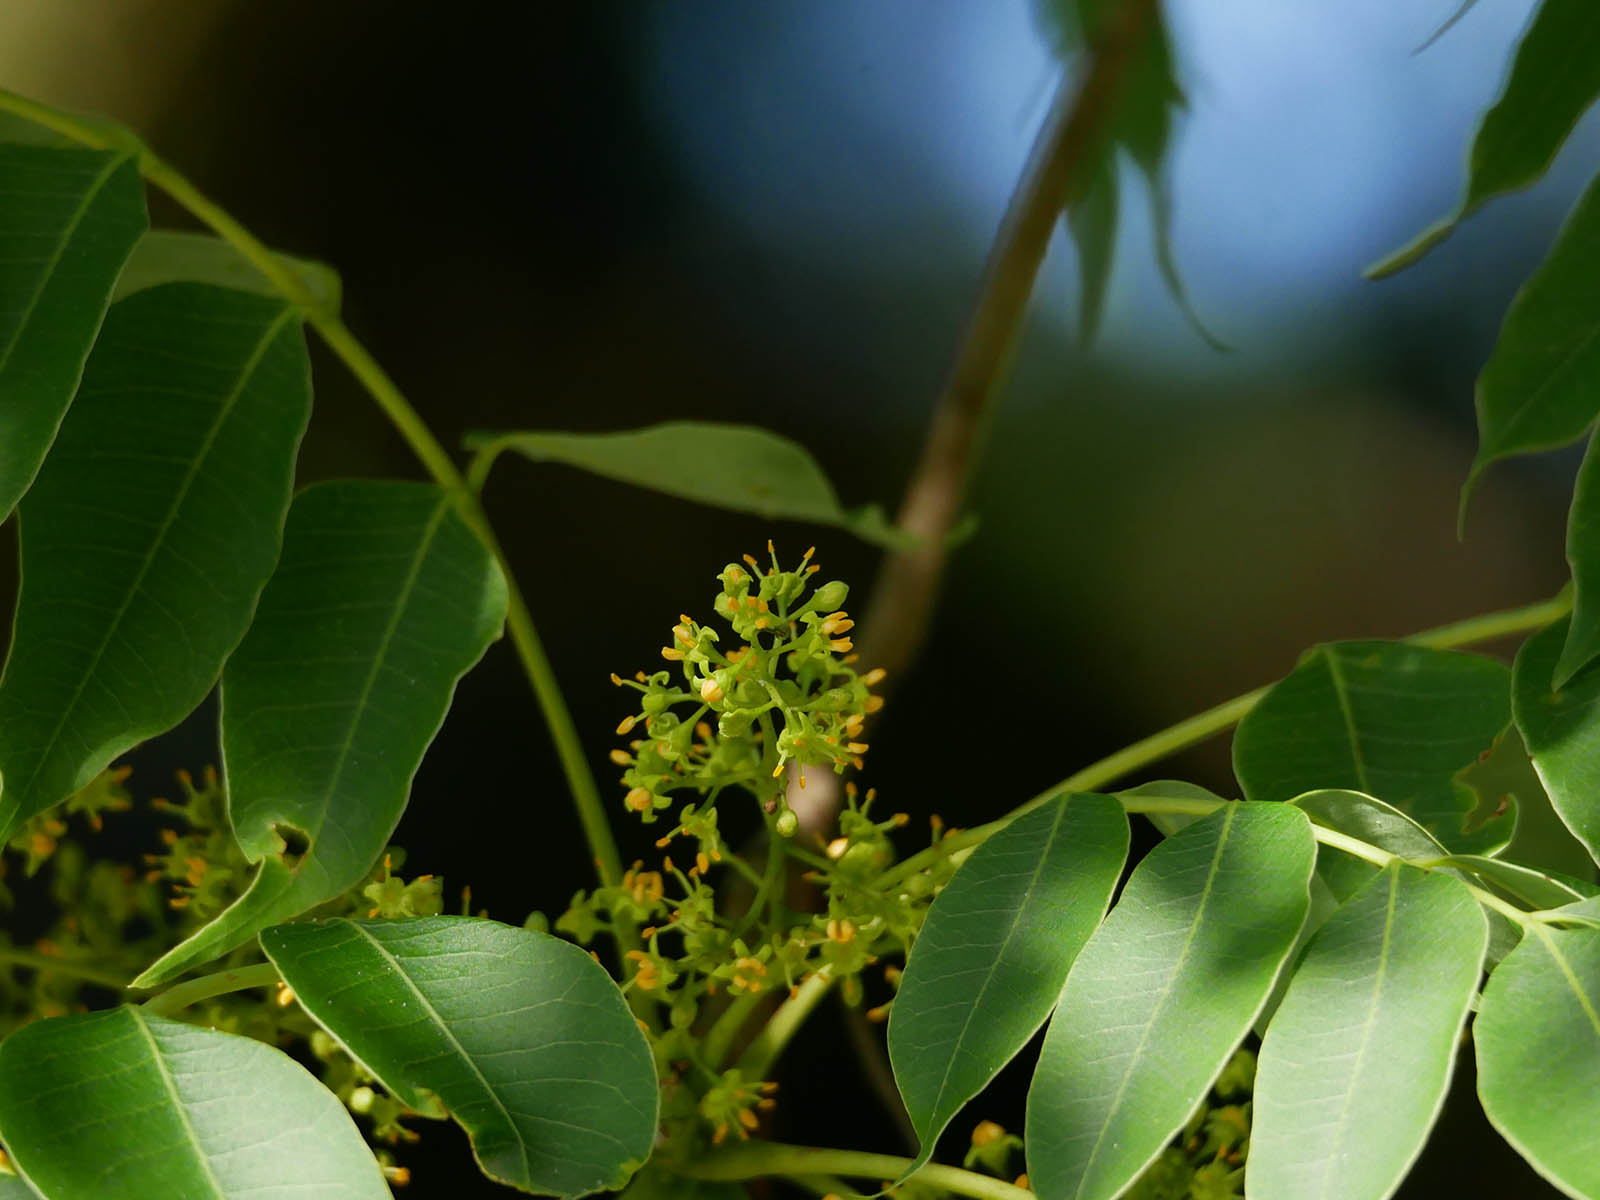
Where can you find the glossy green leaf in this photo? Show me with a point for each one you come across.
(168, 256)
(1170, 804)
(1554, 78)
(149, 532)
(738, 467)
(124, 1104)
(1092, 221)
(1582, 643)
(1392, 720)
(1357, 1060)
(1562, 733)
(522, 1037)
(1163, 993)
(383, 600)
(67, 221)
(1538, 1040)
(1534, 888)
(994, 952)
(1366, 819)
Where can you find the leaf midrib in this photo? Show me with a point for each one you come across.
(182, 1112)
(1341, 692)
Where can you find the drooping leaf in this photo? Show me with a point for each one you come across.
(1092, 221)
(384, 598)
(1357, 1060)
(168, 256)
(1538, 1040)
(1369, 820)
(1554, 78)
(1162, 994)
(737, 467)
(520, 1036)
(1562, 732)
(1392, 720)
(1582, 643)
(149, 532)
(994, 952)
(1171, 804)
(122, 1103)
(68, 218)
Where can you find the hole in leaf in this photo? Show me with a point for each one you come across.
(296, 843)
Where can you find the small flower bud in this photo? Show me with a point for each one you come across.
(710, 689)
(788, 824)
(830, 596)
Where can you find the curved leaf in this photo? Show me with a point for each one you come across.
(383, 600)
(1538, 1040)
(67, 221)
(1539, 889)
(121, 1103)
(994, 952)
(1367, 819)
(1092, 222)
(1393, 720)
(1554, 79)
(738, 467)
(149, 533)
(1356, 1062)
(168, 256)
(1582, 644)
(1562, 733)
(523, 1037)
(1181, 804)
(1162, 995)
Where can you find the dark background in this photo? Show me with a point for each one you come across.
(596, 216)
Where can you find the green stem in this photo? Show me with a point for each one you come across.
(35, 961)
(756, 1160)
(720, 1037)
(757, 1061)
(220, 983)
(1198, 728)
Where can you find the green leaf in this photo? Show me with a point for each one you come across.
(1170, 804)
(994, 952)
(1538, 1040)
(1357, 1060)
(1162, 995)
(521, 1036)
(14, 1187)
(67, 221)
(1562, 732)
(1582, 643)
(167, 256)
(737, 467)
(383, 600)
(149, 532)
(122, 1103)
(1092, 221)
(1541, 387)
(1367, 819)
(1393, 720)
(1540, 889)
(1554, 78)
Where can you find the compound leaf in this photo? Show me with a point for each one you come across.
(1163, 993)
(168, 256)
(1392, 720)
(1357, 1059)
(1367, 819)
(122, 1103)
(1535, 888)
(68, 218)
(1561, 730)
(149, 532)
(521, 1036)
(995, 950)
(383, 600)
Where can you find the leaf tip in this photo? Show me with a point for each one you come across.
(1414, 250)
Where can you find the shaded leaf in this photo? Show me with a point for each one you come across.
(127, 1104)
(68, 218)
(149, 532)
(1554, 78)
(384, 598)
(1356, 1062)
(1163, 993)
(1170, 804)
(994, 952)
(168, 256)
(1367, 819)
(1538, 1040)
(1582, 643)
(737, 467)
(14, 1187)
(1537, 889)
(1562, 732)
(1396, 721)
(1092, 221)
(522, 1037)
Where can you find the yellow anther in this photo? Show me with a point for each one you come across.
(621, 757)
(838, 846)
(856, 747)
(625, 726)
(285, 996)
(702, 863)
(987, 1133)
(616, 679)
(710, 690)
(873, 704)
(843, 645)
(638, 799)
(671, 655)
(874, 677)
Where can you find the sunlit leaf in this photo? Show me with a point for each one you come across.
(738, 467)
(1369, 820)
(68, 218)
(1163, 993)
(167, 256)
(1562, 732)
(1171, 804)
(122, 1103)
(520, 1036)
(1392, 720)
(994, 952)
(1554, 78)
(1356, 1062)
(149, 532)
(1538, 1040)
(383, 600)
(1582, 643)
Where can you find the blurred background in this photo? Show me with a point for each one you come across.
(599, 215)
